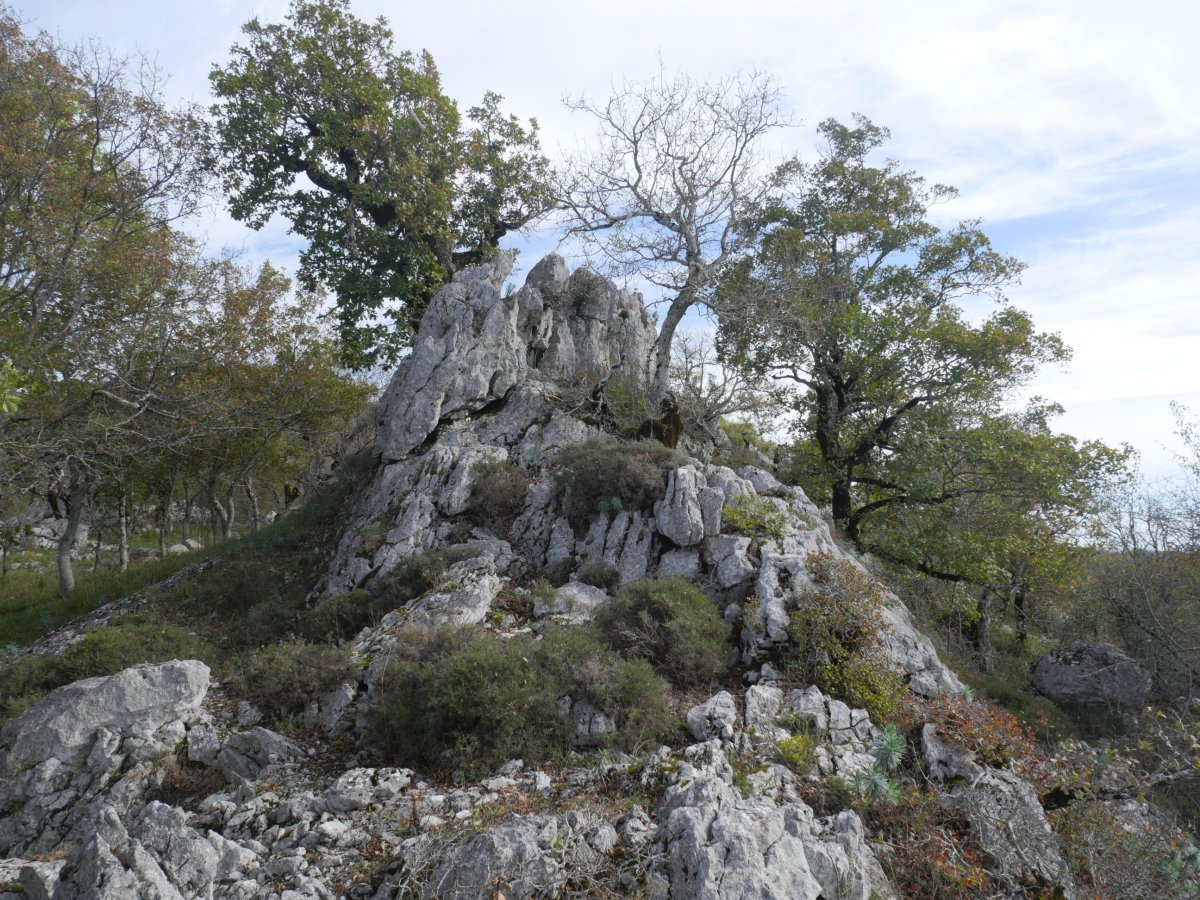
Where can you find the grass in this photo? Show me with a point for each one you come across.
(253, 597)
(31, 605)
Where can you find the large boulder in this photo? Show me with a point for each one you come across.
(1091, 675)
(86, 741)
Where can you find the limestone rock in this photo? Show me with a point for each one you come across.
(678, 515)
(946, 762)
(1092, 675)
(575, 601)
(714, 718)
(62, 725)
(1005, 814)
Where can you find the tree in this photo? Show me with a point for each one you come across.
(854, 297)
(666, 188)
(93, 169)
(359, 148)
(851, 296)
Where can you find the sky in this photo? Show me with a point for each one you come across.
(1072, 129)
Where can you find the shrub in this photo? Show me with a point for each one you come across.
(604, 473)
(834, 638)
(599, 574)
(797, 752)
(498, 490)
(283, 678)
(338, 618)
(1109, 858)
(462, 699)
(670, 623)
(994, 735)
(755, 517)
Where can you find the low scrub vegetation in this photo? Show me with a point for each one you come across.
(607, 474)
(754, 517)
(834, 638)
(343, 616)
(670, 623)
(282, 678)
(135, 639)
(459, 699)
(498, 490)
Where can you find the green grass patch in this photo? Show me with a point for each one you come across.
(31, 605)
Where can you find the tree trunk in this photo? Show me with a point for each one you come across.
(186, 524)
(3, 559)
(123, 529)
(96, 554)
(666, 338)
(222, 513)
(983, 634)
(1019, 612)
(252, 496)
(75, 497)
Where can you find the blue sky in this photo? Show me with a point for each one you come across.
(1071, 128)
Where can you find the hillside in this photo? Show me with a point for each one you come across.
(518, 653)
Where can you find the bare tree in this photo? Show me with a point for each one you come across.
(665, 188)
(709, 391)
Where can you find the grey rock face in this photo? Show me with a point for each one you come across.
(714, 718)
(85, 739)
(722, 845)
(1005, 814)
(946, 762)
(678, 515)
(475, 344)
(140, 699)
(574, 601)
(1092, 675)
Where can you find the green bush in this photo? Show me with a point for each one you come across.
(415, 576)
(106, 650)
(754, 517)
(459, 698)
(599, 574)
(498, 492)
(673, 625)
(797, 752)
(283, 678)
(604, 473)
(339, 618)
(834, 638)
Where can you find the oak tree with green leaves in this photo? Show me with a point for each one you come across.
(856, 299)
(321, 121)
(852, 296)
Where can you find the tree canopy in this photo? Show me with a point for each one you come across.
(321, 121)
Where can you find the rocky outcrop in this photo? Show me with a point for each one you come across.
(476, 344)
(84, 741)
(1091, 675)
(720, 844)
(1008, 820)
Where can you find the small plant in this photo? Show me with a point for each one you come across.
(889, 748)
(670, 623)
(797, 752)
(754, 517)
